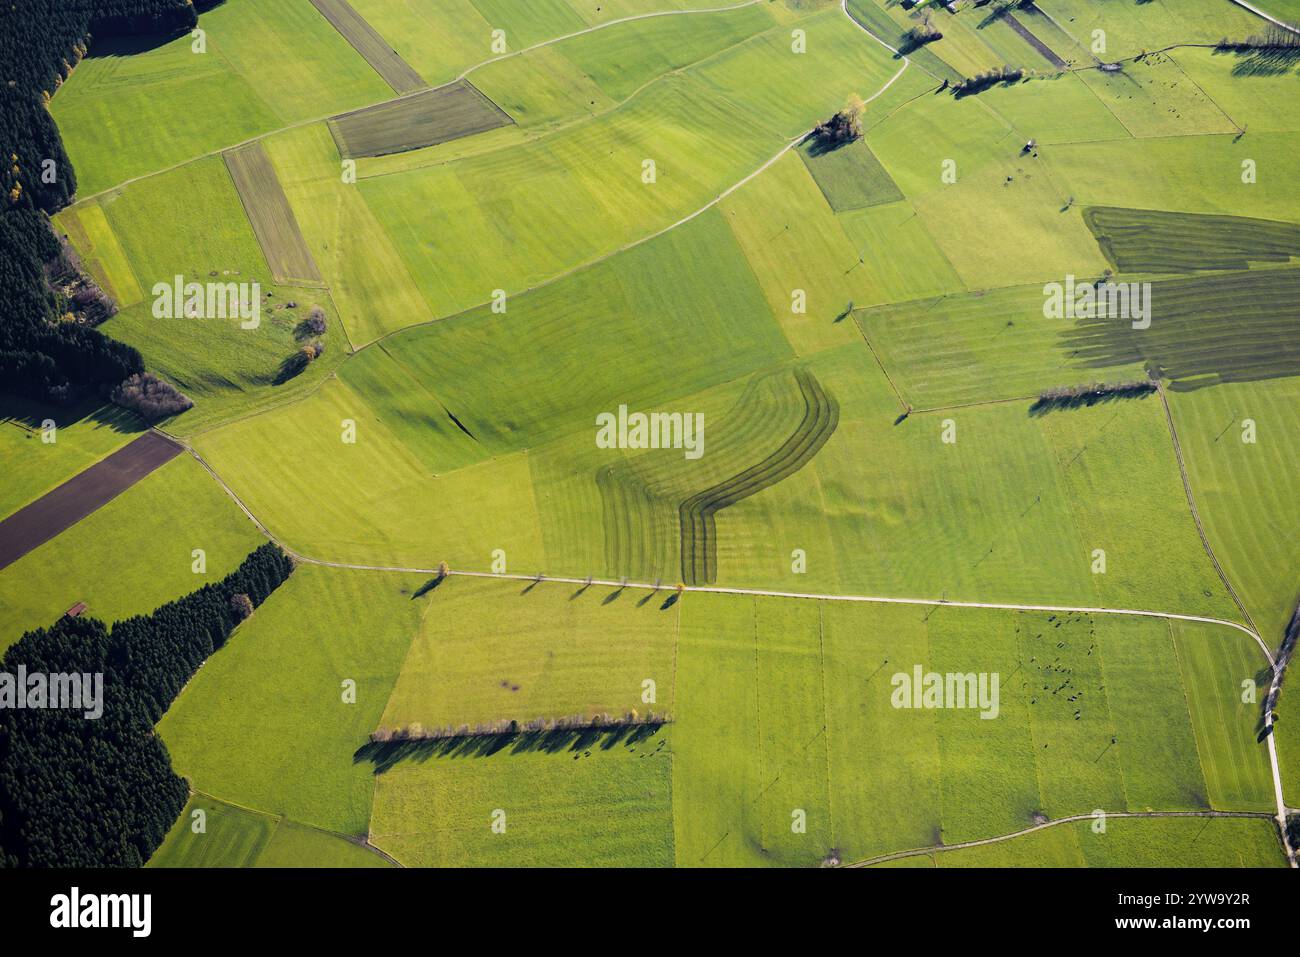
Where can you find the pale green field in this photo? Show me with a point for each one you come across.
(691, 285)
(1126, 842)
(1225, 674)
(1250, 516)
(582, 188)
(81, 437)
(380, 504)
(232, 836)
(242, 730)
(593, 807)
(1129, 29)
(585, 652)
(266, 66)
(131, 555)
(189, 222)
(1195, 174)
(785, 706)
(1262, 101)
(91, 234)
(793, 240)
(1154, 97)
(443, 40)
(370, 285)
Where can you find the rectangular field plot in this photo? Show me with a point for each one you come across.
(268, 210)
(397, 73)
(788, 705)
(423, 119)
(588, 807)
(851, 177)
(586, 651)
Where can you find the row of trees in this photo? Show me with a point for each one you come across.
(41, 356)
(1069, 396)
(1274, 38)
(79, 792)
(982, 81)
(576, 722)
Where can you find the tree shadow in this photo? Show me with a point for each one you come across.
(428, 586)
(1086, 400)
(384, 755)
(31, 416)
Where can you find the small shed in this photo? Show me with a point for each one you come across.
(75, 610)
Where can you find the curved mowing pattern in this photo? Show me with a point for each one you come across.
(697, 514)
(642, 493)
(1155, 240)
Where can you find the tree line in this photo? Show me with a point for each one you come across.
(82, 792)
(41, 356)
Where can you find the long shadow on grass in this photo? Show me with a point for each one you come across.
(385, 754)
(1205, 331)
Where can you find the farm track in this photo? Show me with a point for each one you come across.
(423, 89)
(939, 848)
(699, 535)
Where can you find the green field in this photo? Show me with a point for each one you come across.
(1126, 842)
(396, 72)
(269, 214)
(413, 122)
(264, 67)
(226, 835)
(80, 437)
(132, 555)
(522, 219)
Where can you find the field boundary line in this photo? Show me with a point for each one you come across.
(1280, 817)
(1196, 515)
(1267, 16)
(719, 589)
(400, 96)
(1074, 818)
(602, 26)
(281, 818)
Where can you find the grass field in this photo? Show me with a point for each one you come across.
(592, 209)
(413, 122)
(242, 732)
(264, 66)
(269, 214)
(396, 72)
(132, 555)
(587, 654)
(1146, 240)
(231, 836)
(80, 437)
(1126, 842)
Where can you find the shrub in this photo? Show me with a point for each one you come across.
(151, 397)
(241, 605)
(314, 324)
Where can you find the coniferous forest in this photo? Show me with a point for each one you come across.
(101, 792)
(42, 355)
